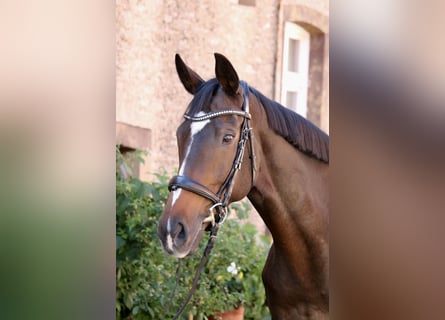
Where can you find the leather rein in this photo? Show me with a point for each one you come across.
(220, 200)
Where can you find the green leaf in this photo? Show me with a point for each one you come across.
(151, 312)
(122, 205)
(128, 301)
(119, 242)
(145, 275)
(135, 310)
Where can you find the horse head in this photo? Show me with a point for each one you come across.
(210, 153)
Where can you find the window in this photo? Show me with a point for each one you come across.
(132, 164)
(295, 74)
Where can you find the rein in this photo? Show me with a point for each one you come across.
(220, 200)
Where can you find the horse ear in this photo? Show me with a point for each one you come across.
(189, 78)
(226, 74)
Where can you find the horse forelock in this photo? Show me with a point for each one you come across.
(203, 97)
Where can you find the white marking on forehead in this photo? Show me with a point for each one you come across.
(176, 194)
(169, 237)
(169, 242)
(195, 128)
(169, 226)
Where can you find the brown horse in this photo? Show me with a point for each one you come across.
(284, 174)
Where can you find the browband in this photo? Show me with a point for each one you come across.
(212, 115)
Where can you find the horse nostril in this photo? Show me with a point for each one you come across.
(180, 234)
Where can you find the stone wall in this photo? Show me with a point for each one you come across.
(149, 33)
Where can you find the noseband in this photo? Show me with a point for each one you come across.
(221, 199)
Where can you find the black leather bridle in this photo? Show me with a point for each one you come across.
(221, 199)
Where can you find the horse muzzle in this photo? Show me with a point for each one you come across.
(179, 239)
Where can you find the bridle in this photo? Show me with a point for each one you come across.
(220, 200)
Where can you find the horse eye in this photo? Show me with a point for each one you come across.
(228, 138)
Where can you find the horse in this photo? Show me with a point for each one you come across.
(284, 175)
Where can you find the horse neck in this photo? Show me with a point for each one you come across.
(290, 192)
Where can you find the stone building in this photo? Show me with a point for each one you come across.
(279, 47)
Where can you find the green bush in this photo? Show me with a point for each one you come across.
(145, 275)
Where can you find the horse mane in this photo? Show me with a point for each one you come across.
(299, 132)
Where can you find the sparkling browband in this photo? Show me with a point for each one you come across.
(212, 115)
